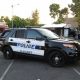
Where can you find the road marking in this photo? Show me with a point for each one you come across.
(38, 79)
(7, 69)
(76, 71)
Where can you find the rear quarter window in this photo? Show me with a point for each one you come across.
(5, 33)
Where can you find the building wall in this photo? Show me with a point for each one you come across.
(71, 21)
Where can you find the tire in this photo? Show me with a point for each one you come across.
(8, 53)
(57, 59)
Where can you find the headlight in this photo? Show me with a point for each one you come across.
(77, 42)
(69, 45)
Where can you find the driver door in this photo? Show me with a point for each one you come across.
(34, 39)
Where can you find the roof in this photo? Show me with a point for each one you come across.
(55, 25)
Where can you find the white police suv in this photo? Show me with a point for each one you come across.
(39, 42)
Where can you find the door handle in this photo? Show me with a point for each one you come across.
(28, 41)
(11, 39)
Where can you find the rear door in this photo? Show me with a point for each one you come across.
(17, 41)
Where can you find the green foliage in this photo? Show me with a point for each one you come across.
(7, 20)
(17, 21)
(21, 22)
(28, 21)
(35, 18)
(75, 8)
(64, 11)
(60, 20)
(55, 12)
(2, 19)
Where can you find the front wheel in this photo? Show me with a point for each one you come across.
(57, 59)
(7, 53)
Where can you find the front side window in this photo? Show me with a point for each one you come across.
(33, 34)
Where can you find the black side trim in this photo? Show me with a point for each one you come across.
(36, 47)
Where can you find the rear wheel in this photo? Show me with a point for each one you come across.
(8, 53)
(57, 59)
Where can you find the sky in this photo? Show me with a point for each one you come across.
(24, 8)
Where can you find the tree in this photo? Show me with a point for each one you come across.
(21, 22)
(64, 12)
(8, 21)
(75, 8)
(18, 22)
(35, 18)
(55, 12)
(28, 21)
(2, 19)
(60, 19)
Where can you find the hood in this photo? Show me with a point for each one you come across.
(64, 40)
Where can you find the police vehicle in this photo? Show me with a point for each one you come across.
(39, 42)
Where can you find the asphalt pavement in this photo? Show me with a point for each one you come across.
(24, 68)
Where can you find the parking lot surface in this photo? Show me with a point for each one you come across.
(24, 68)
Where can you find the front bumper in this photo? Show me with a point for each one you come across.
(78, 49)
(71, 54)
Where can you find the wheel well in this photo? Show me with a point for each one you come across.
(6, 46)
(55, 49)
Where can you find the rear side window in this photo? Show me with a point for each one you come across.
(20, 34)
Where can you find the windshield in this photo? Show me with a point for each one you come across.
(49, 34)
